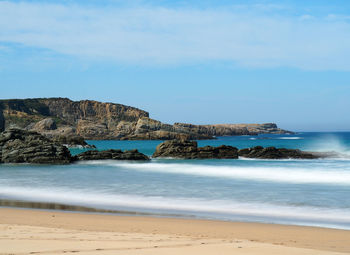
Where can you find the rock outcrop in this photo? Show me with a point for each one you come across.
(2, 121)
(65, 135)
(20, 146)
(260, 152)
(92, 120)
(190, 150)
(72, 141)
(45, 125)
(23, 146)
(112, 154)
(231, 129)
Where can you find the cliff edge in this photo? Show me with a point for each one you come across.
(92, 120)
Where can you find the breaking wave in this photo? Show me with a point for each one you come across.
(231, 209)
(338, 175)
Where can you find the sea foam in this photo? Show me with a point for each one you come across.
(230, 208)
(312, 175)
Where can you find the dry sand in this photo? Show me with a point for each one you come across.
(25, 231)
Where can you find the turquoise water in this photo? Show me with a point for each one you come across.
(302, 192)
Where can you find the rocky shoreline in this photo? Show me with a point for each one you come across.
(190, 150)
(23, 146)
(20, 146)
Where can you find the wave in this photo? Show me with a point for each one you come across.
(311, 175)
(276, 138)
(330, 143)
(291, 138)
(231, 209)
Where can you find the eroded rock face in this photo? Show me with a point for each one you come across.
(94, 120)
(63, 135)
(189, 150)
(45, 125)
(2, 121)
(20, 146)
(112, 154)
(276, 153)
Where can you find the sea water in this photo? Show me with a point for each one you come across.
(300, 192)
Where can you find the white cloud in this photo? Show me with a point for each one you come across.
(165, 36)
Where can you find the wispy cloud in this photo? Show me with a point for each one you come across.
(150, 35)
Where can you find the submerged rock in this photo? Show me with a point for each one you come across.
(189, 150)
(112, 154)
(21, 146)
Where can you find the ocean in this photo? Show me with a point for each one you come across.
(297, 192)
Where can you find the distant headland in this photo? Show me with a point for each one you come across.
(64, 119)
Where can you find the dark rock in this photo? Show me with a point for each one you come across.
(2, 121)
(21, 146)
(276, 153)
(221, 152)
(189, 150)
(112, 154)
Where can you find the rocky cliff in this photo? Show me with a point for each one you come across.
(2, 121)
(62, 117)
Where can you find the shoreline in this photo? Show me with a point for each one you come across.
(59, 207)
(223, 233)
(50, 206)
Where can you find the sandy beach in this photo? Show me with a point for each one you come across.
(24, 231)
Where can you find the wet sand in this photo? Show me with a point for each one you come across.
(28, 231)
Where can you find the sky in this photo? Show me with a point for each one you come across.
(200, 62)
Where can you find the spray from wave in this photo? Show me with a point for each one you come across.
(330, 143)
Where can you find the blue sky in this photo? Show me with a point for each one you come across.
(185, 61)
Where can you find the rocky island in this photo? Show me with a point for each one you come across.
(72, 122)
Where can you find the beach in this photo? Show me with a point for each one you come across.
(174, 206)
(174, 127)
(28, 231)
